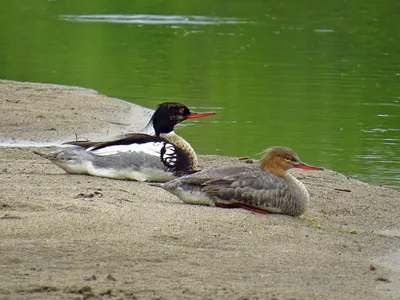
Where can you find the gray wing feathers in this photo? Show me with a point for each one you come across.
(220, 172)
(119, 161)
(127, 160)
(253, 188)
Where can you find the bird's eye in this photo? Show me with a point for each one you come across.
(288, 158)
(182, 111)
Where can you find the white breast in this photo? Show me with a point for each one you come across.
(152, 148)
(301, 189)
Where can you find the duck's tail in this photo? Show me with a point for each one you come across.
(45, 155)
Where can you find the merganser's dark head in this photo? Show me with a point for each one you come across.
(168, 114)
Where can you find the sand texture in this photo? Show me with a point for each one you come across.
(80, 237)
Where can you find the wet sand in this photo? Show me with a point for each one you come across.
(78, 237)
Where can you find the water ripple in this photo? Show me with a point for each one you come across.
(153, 19)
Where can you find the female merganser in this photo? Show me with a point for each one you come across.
(264, 188)
(136, 156)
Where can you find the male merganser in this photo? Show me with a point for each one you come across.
(136, 156)
(264, 188)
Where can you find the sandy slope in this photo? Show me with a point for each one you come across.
(76, 237)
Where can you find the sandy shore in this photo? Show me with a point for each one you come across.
(78, 237)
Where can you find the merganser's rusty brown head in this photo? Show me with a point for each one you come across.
(278, 160)
(168, 114)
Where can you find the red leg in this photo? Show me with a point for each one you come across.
(227, 205)
(241, 205)
(254, 209)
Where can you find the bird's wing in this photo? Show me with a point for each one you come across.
(135, 142)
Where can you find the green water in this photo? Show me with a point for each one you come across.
(321, 77)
